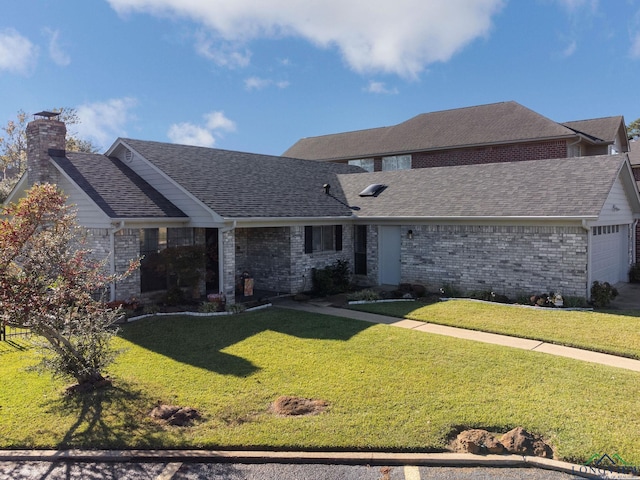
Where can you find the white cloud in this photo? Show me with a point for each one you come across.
(190, 134)
(223, 54)
(381, 88)
(59, 56)
(17, 53)
(400, 37)
(103, 122)
(203, 136)
(257, 83)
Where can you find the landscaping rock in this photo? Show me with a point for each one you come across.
(477, 441)
(288, 405)
(176, 416)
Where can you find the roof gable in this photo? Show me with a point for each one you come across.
(114, 187)
(575, 187)
(246, 185)
(505, 122)
(606, 129)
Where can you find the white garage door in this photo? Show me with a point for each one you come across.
(609, 253)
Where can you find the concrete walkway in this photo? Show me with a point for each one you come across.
(325, 308)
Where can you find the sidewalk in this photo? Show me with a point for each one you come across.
(325, 308)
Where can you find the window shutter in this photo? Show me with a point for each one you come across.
(338, 238)
(308, 239)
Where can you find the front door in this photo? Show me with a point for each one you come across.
(389, 254)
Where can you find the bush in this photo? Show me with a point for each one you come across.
(367, 295)
(174, 296)
(634, 273)
(333, 279)
(602, 294)
(450, 291)
(209, 307)
(489, 296)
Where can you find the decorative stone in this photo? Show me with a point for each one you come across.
(478, 441)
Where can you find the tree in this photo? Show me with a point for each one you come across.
(51, 285)
(633, 129)
(13, 146)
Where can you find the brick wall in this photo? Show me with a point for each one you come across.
(303, 263)
(265, 253)
(276, 259)
(127, 247)
(42, 135)
(510, 260)
(492, 154)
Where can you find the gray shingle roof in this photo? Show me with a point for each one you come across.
(505, 122)
(634, 152)
(604, 129)
(115, 188)
(241, 185)
(573, 187)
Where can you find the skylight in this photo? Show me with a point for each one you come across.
(373, 190)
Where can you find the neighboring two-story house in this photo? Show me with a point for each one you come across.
(499, 132)
(516, 228)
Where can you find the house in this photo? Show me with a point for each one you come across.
(513, 227)
(499, 132)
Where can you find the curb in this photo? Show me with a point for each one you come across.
(336, 458)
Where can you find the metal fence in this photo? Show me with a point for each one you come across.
(9, 332)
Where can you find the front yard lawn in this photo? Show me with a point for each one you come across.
(387, 388)
(615, 332)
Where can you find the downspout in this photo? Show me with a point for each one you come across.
(112, 240)
(589, 241)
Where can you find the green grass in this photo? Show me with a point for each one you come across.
(615, 332)
(388, 389)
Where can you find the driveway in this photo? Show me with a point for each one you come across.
(628, 296)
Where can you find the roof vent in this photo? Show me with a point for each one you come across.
(373, 190)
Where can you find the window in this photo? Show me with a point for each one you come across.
(366, 163)
(153, 270)
(323, 238)
(152, 273)
(396, 162)
(575, 151)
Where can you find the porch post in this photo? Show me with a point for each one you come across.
(227, 262)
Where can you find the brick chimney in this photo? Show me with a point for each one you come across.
(46, 136)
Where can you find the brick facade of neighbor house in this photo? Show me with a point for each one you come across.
(510, 260)
(490, 154)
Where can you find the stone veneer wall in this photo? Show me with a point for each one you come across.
(510, 260)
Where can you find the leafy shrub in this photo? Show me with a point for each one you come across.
(575, 302)
(602, 294)
(236, 308)
(634, 273)
(367, 295)
(450, 291)
(489, 296)
(174, 296)
(209, 307)
(332, 279)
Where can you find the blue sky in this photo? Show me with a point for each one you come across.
(257, 75)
